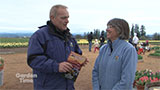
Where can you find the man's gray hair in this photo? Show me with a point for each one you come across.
(53, 11)
(121, 26)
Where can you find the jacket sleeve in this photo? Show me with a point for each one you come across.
(95, 72)
(77, 49)
(36, 57)
(128, 70)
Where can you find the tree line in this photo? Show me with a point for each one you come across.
(141, 33)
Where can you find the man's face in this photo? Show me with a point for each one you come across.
(61, 19)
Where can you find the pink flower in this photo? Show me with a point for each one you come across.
(154, 80)
(144, 78)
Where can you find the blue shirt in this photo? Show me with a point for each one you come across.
(115, 70)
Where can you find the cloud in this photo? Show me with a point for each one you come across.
(85, 15)
(17, 29)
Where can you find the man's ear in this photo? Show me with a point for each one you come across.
(51, 17)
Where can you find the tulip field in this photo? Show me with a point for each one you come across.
(13, 42)
(14, 53)
(23, 42)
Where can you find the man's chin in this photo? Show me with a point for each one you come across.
(65, 28)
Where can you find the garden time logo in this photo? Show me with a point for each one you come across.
(26, 78)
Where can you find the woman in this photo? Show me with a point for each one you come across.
(115, 65)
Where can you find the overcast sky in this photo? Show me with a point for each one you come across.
(85, 15)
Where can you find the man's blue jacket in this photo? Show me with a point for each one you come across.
(47, 48)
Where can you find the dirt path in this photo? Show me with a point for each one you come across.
(15, 65)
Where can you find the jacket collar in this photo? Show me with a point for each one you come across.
(65, 35)
(115, 43)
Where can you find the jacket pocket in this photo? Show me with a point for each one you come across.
(41, 79)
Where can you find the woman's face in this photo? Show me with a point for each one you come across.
(111, 33)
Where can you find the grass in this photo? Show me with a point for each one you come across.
(140, 57)
(156, 53)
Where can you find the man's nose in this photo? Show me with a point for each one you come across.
(67, 20)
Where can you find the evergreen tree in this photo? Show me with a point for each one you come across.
(142, 32)
(85, 35)
(105, 35)
(96, 33)
(137, 30)
(78, 36)
(132, 31)
(156, 36)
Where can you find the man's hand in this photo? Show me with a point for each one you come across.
(65, 67)
(85, 63)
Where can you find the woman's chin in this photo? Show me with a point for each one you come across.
(108, 37)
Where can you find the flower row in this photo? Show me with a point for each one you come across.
(13, 45)
(146, 76)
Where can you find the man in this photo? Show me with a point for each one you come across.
(48, 50)
(90, 37)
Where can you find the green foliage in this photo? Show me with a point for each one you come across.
(140, 57)
(138, 74)
(140, 82)
(146, 76)
(137, 30)
(1, 62)
(96, 34)
(143, 38)
(154, 54)
(156, 36)
(141, 77)
(155, 48)
(142, 73)
(13, 40)
(157, 51)
(154, 43)
(157, 75)
(78, 36)
(132, 31)
(142, 32)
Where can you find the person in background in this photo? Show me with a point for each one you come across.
(115, 65)
(135, 41)
(147, 47)
(48, 50)
(130, 40)
(90, 37)
(147, 43)
(102, 39)
(96, 45)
